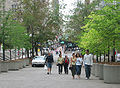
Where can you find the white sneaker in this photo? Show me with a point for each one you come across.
(86, 78)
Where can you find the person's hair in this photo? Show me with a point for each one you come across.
(87, 50)
(60, 55)
(77, 55)
(73, 54)
(66, 56)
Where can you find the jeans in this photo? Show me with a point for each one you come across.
(60, 68)
(66, 68)
(78, 69)
(73, 70)
(49, 65)
(88, 71)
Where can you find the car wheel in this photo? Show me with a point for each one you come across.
(33, 65)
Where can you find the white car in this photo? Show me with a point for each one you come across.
(38, 61)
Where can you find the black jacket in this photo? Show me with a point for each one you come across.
(49, 59)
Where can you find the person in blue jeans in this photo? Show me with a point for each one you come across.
(88, 61)
(49, 61)
(79, 62)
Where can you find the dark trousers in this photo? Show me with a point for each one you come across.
(78, 69)
(66, 68)
(60, 68)
(88, 71)
(73, 70)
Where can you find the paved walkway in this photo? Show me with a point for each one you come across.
(37, 78)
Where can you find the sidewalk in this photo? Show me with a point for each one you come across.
(37, 78)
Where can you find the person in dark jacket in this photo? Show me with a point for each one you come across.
(49, 61)
(66, 63)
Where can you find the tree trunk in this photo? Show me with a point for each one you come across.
(10, 55)
(113, 51)
(100, 56)
(104, 56)
(97, 57)
(32, 45)
(15, 53)
(36, 49)
(22, 53)
(108, 54)
(27, 53)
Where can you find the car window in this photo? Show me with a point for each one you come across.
(39, 58)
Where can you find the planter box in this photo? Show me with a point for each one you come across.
(101, 71)
(96, 69)
(27, 61)
(93, 69)
(112, 74)
(20, 64)
(0, 67)
(24, 63)
(4, 66)
(13, 65)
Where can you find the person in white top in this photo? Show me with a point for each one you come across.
(88, 61)
(79, 62)
(118, 57)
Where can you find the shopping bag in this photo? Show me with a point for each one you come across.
(45, 67)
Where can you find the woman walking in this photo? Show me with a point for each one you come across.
(79, 62)
(60, 64)
(66, 63)
(73, 63)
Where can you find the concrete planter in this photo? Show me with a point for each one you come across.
(112, 74)
(24, 63)
(20, 64)
(4, 66)
(27, 61)
(93, 69)
(101, 72)
(0, 67)
(13, 65)
(96, 69)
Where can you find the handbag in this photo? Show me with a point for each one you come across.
(45, 67)
(70, 68)
(58, 64)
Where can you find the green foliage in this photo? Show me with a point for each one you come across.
(102, 29)
(14, 33)
(80, 14)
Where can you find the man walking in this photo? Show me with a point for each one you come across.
(49, 61)
(88, 61)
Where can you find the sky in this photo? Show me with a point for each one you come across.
(69, 6)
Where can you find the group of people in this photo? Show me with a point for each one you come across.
(75, 63)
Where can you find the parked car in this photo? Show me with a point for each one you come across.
(38, 61)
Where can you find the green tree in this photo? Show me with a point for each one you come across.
(106, 24)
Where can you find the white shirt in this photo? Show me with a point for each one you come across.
(88, 59)
(118, 57)
(79, 61)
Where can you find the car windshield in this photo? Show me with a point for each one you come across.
(39, 58)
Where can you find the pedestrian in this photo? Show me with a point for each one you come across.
(118, 56)
(49, 61)
(79, 62)
(60, 63)
(88, 61)
(66, 63)
(73, 65)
